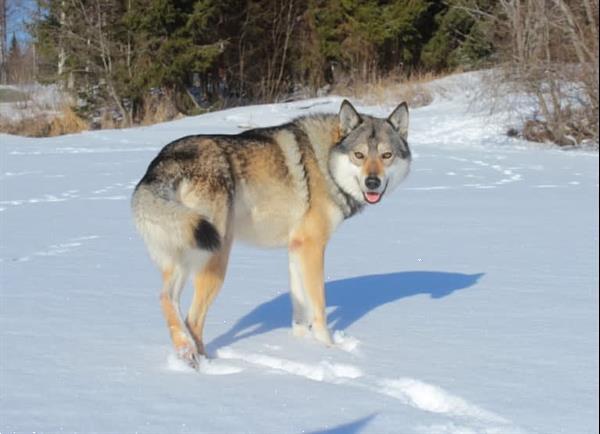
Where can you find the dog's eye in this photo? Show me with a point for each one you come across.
(386, 155)
(359, 155)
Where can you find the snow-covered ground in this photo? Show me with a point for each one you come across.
(466, 302)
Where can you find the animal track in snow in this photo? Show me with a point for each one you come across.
(434, 187)
(434, 399)
(346, 343)
(508, 174)
(454, 428)
(103, 193)
(323, 371)
(55, 249)
(409, 391)
(82, 150)
(13, 174)
(116, 186)
(207, 366)
(61, 197)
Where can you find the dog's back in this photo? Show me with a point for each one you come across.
(255, 185)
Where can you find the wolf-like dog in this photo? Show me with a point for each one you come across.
(289, 185)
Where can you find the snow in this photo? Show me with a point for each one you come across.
(466, 302)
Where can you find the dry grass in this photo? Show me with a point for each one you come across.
(37, 120)
(67, 122)
(158, 108)
(413, 90)
(46, 111)
(44, 122)
(45, 125)
(576, 132)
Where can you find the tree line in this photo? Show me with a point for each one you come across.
(206, 52)
(128, 56)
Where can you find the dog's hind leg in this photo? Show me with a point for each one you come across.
(207, 283)
(173, 282)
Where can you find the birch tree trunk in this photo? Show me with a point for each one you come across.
(3, 51)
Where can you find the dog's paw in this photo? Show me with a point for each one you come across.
(189, 355)
(322, 335)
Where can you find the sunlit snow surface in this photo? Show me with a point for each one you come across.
(466, 302)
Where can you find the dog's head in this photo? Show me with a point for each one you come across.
(372, 157)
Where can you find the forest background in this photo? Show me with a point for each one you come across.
(127, 62)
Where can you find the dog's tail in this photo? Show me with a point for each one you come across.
(169, 228)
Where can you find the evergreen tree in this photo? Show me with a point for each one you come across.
(461, 40)
(174, 40)
(15, 49)
(14, 61)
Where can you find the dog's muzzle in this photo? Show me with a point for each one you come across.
(373, 183)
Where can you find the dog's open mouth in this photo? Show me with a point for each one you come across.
(373, 197)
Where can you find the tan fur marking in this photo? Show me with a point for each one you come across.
(373, 166)
(207, 284)
(321, 201)
(178, 335)
(311, 259)
(310, 240)
(336, 135)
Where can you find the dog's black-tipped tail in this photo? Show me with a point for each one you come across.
(206, 235)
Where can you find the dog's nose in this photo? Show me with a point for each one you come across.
(372, 182)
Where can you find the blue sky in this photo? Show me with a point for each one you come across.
(19, 12)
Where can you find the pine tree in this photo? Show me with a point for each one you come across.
(460, 39)
(14, 51)
(14, 64)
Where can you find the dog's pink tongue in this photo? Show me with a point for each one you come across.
(372, 197)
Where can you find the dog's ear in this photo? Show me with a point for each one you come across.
(349, 118)
(399, 119)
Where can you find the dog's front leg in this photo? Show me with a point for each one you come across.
(309, 254)
(300, 307)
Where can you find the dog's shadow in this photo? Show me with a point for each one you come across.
(352, 298)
